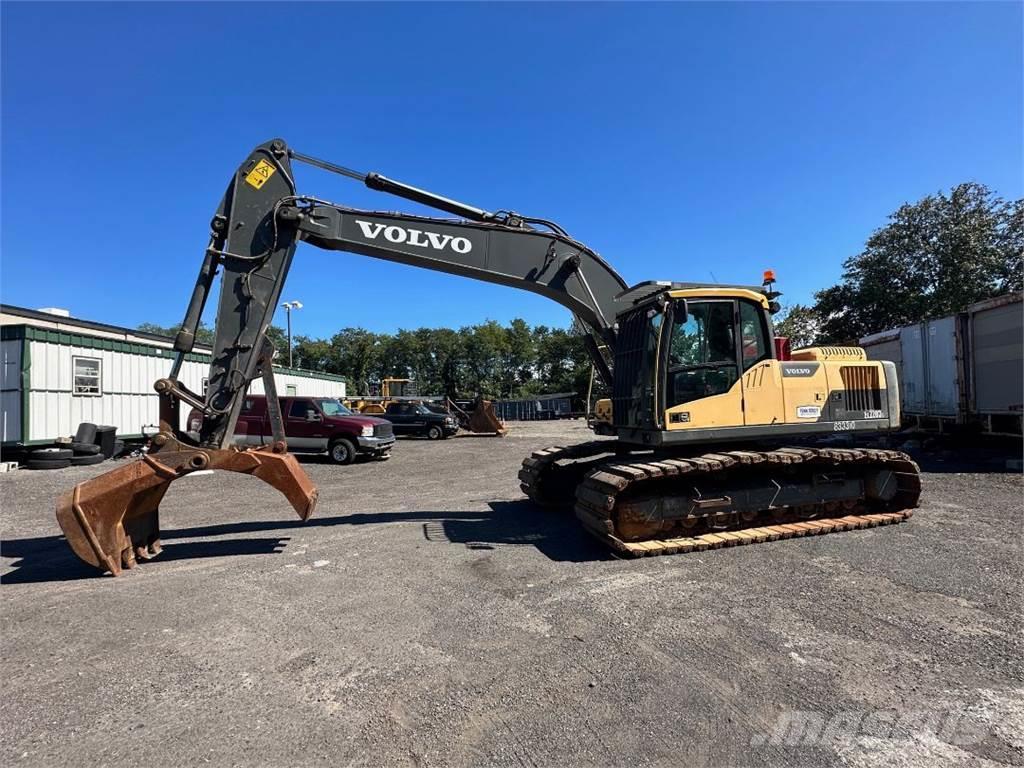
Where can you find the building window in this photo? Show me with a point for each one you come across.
(86, 376)
(206, 386)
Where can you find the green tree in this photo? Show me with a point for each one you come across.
(562, 362)
(279, 338)
(357, 352)
(518, 358)
(932, 258)
(800, 324)
(444, 364)
(204, 334)
(401, 355)
(483, 350)
(314, 355)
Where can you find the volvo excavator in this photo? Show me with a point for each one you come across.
(721, 436)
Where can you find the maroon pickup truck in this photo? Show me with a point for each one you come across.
(312, 425)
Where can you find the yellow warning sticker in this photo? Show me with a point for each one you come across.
(258, 176)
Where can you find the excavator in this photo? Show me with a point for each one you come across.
(715, 434)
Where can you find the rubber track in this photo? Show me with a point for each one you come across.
(596, 496)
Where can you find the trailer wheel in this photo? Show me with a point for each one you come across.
(342, 451)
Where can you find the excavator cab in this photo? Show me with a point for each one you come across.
(698, 364)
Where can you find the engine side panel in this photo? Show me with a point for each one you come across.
(780, 400)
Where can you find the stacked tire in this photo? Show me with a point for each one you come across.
(83, 451)
(50, 458)
(85, 447)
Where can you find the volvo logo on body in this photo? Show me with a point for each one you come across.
(799, 369)
(416, 237)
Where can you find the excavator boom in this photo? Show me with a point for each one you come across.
(111, 521)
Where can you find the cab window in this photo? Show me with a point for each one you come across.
(702, 352)
(753, 337)
(706, 336)
(333, 408)
(300, 409)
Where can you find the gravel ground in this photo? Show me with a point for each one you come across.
(428, 615)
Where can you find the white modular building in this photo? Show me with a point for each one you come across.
(59, 371)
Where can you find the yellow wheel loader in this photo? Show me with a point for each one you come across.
(390, 390)
(720, 437)
(478, 418)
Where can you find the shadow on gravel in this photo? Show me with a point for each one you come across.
(964, 452)
(556, 535)
(969, 458)
(509, 523)
(321, 458)
(48, 558)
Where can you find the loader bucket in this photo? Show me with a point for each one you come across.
(112, 520)
(483, 420)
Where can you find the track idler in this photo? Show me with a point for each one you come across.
(112, 521)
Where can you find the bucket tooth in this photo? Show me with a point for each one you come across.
(112, 521)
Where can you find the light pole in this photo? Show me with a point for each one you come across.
(288, 307)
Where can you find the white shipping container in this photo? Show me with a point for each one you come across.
(886, 346)
(943, 379)
(967, 368)
(915, 370)
(930, 382)
(996, 330)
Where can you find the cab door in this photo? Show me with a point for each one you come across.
(249, 427)
(762, 379)
(400, 418)
(304, 425)
(701, 361)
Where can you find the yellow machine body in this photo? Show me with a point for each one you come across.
(817, 389)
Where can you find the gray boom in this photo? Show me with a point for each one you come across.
(261, 220)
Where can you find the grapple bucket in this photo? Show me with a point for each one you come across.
(112, 520)
(479, 418)
(483, 419)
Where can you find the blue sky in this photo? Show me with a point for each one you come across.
(681, 141)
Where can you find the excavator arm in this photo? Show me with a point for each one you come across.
(112, 520)
(262, 219)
